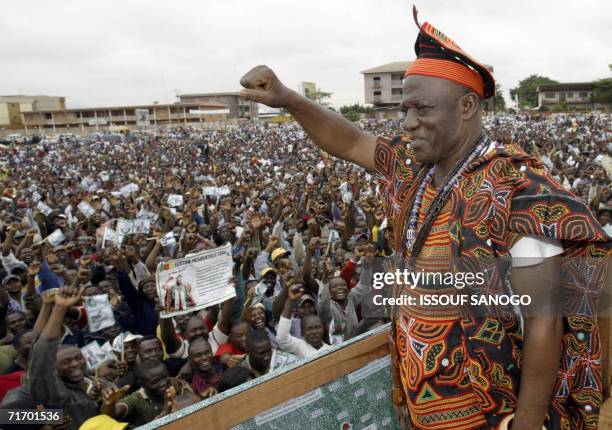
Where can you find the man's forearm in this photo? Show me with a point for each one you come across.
(329, 130)
(540, 363)
(53, 329)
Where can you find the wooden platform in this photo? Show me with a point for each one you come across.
(246, 404)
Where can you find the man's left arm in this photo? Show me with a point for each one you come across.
(542, 341)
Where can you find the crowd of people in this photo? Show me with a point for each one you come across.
(307, 233)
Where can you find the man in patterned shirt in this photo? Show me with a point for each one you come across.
(457, 201)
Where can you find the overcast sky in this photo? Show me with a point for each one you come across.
(110, 53)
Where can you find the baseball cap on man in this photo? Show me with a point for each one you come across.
(127, 337)
(279, 252)
(10, 278)
(265, 271)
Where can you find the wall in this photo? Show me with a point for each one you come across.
(4, 115)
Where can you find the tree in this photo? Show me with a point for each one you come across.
(527, 90)
(352, 112)
(603, 89)
(320, 97)
(500, 102)
(356, 108)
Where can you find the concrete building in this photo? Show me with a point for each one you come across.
(577, 94)
(238, 107)
(308, 89)
(88, 120)
(11, 108)
(383, 86)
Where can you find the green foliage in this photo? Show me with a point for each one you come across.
(321, 97)
(563, 107)
(356, 108)
(499, 104)
(603, 91)
(527, 90)
(352, 116)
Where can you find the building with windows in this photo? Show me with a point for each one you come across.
(383, 86)
(577, 94)
(89, 120)
(238, 107)
(11, 108)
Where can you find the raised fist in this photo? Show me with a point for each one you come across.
(263, 86)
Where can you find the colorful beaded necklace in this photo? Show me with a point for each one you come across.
(414, 238)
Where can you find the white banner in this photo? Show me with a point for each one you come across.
(216, 191)
(175, 200)
(43, 208)
(94, 355)
(202, 280)
(99, 312)
(56, 238)
(86, 209)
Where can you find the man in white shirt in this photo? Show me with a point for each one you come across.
(312, 329)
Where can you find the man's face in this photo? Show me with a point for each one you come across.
(201, 357)
(269, 279)
(432, 117)
(150, 348)
(181, 320)
(70, 365)
(25, 344)
(15, 322)
(260, 356)
(338, 289)
(258, 318)
(13, 286)
(130, 350)
(605, 218)
(156, 381)
(196, 328)
(238, 335)
(306, 308)
(26, 255)
(313, 331)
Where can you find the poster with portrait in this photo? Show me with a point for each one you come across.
(195, 282)
(99, 312)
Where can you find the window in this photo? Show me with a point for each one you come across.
(584, 94)
(376, 93)
(376, 81)
(550, 95)
(376, 78)
(396, 91)
(48, 116)
(569, 95)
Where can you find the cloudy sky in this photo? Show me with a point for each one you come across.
(109, 53)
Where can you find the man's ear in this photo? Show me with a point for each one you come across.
(470, 105)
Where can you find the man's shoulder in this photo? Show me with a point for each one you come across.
(394, 157)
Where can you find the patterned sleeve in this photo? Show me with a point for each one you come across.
(384, 160)
(396, 169)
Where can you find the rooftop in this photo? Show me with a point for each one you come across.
(186, 105)
(567, 86)
(229, 93)
(22, 97)
(396, 66)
